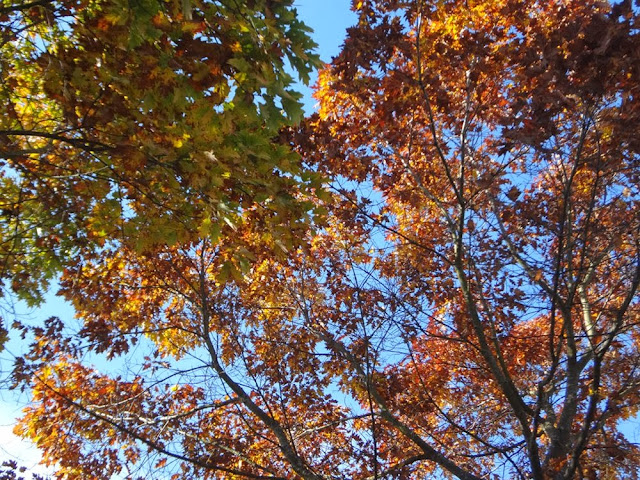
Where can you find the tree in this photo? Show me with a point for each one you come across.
(11, 471)
(142, 123)
(466, 307)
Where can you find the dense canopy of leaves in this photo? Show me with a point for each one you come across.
(502, 139)
(466, 307)
(143, 123)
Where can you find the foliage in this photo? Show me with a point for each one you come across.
(467, 307)
(9, 470)
(143, 123)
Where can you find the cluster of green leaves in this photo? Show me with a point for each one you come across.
(144, 123)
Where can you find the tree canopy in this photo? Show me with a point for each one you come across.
(442, 281)
(143, 123)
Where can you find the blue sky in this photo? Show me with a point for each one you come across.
(329, 20)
